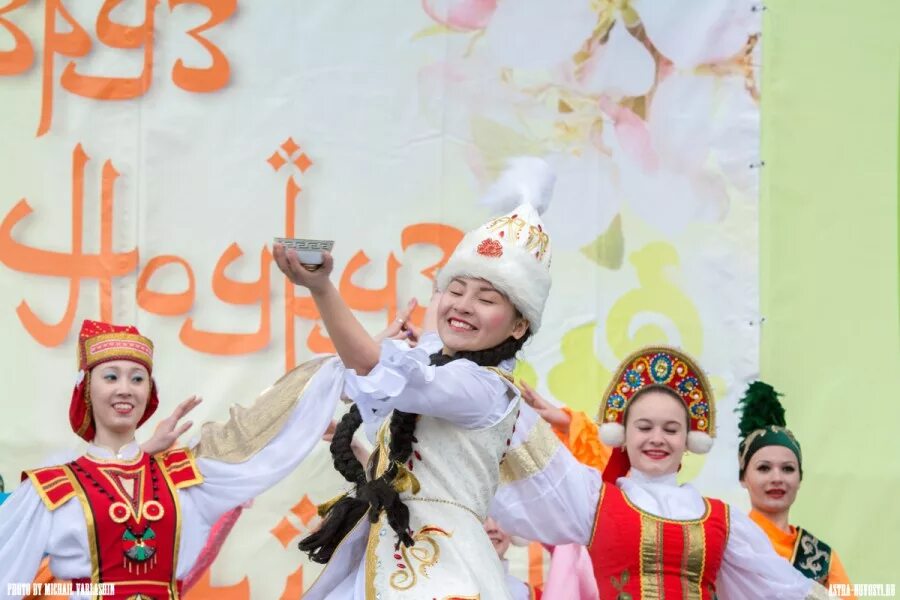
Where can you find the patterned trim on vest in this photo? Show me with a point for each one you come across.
(181, 467)
(52, 484)
(812, 556)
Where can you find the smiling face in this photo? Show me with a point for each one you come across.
(656, 432)
(473, 316)
(499, 538)
(119, 393)
(772, 478)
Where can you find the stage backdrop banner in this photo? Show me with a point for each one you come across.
(152, 150)
(829, 267)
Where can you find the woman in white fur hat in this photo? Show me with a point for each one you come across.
(445, 410)
(647, 536)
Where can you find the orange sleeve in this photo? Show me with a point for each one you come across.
(43, 576)
(837, 574)
(583, 440)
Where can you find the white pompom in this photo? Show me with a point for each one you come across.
(699, 442)
(526, 180)
(612, 434)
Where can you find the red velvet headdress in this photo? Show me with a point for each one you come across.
(99, 343)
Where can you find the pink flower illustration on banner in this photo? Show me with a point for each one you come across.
(461, 15)
(649, 103)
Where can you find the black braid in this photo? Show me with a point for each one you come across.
(371, 497)
(348, 510)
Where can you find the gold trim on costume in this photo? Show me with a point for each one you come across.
(89, 523)
(693, 561)
(173, 585)
(597, 513)
(88, 412)
(248, 430)
(651, 552)
(190, 461)
(44, 491)
(135, 504)
(451, 503)
(127, 348)
(181, 464)
(532, 456)
(405, 576)
(336, 550)
(115, 461)
(372, 543)
(644, 513)
(504, 374)
(705, 392)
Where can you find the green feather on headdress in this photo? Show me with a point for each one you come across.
(762, 424)
(759, 409)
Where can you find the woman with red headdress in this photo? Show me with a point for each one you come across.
(134, 521)
(647, 536)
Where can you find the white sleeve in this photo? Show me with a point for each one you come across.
(545, 494)
(751, 568)
(230, 484)
(460, 391)
(431, 342)
(24, 535)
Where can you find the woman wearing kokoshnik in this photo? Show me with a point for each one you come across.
(648, 537)
(771, 469)
(125, 516)
(444, 411)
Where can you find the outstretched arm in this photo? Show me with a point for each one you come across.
(25, 526)
(168, 430)
(354, 345)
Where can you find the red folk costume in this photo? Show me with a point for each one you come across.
(643, 554)
(137, 522)
(131, 506)
(647, 536)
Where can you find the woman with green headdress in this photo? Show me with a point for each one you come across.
(771, 469)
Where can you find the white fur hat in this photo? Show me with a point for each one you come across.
(512, 251)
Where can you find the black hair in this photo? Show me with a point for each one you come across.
(371, 496)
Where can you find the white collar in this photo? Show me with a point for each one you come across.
(642, 478)
(662, 495)
(129, 451)
(508, 365)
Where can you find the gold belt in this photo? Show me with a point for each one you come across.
(450, 502)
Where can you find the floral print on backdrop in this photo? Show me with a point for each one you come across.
(646, 102)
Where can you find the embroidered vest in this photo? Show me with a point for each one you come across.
(637, 555)
(812, 556)
(132, 515)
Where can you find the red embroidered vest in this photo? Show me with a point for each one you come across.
(640, 556)
(132, 516)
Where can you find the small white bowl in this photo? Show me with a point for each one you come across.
(310, 257)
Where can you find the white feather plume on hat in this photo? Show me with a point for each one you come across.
(511, 251)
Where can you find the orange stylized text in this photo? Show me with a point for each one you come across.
(74, 42)
(104, 267)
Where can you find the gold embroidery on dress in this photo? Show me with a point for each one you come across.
(809, 544)
(530, 457)
(248, 430)
(406, 576)
(693, 561)
(651, 558)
